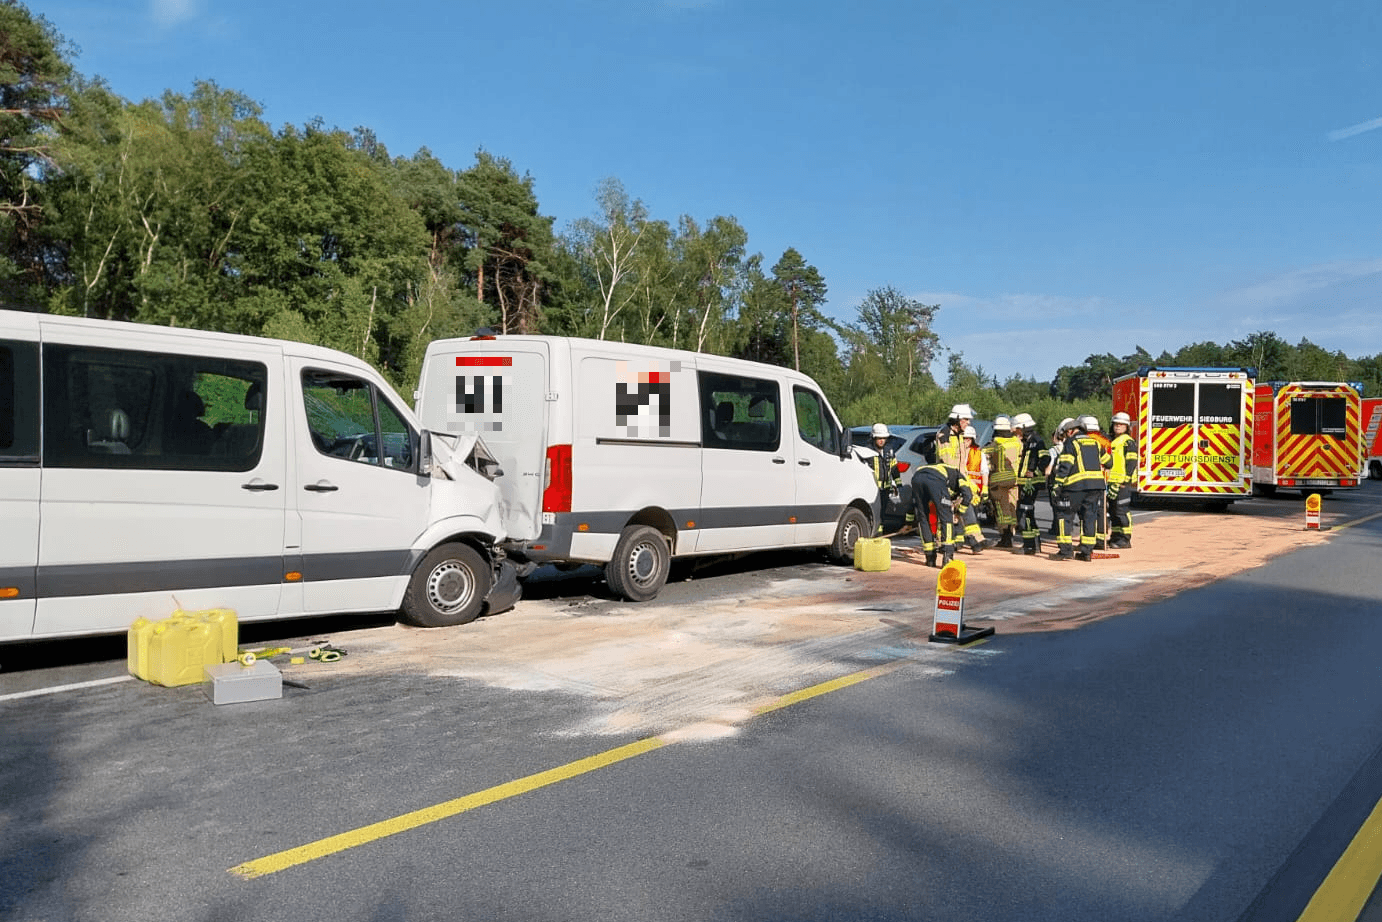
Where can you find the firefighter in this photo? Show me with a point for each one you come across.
(1002, 454)
(1057, 443)
(1101, 534)
(975, 472)
(1032, 462)
(886, 472)
(939, 485)
(1121, 478)
(1080, 482)
(950, 437)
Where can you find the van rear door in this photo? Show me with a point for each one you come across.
(498, 390)
(19, 475)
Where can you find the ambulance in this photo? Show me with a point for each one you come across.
(1307, 436)
(627, 456)
(1194, 431)
(1372, 439)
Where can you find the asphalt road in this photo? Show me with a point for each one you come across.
(1205, 758)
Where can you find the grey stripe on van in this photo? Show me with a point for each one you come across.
(21, 578)
(172, 575)
(612, 522)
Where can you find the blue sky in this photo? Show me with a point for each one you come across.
(1062, 178)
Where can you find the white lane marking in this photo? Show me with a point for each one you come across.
(54, 689)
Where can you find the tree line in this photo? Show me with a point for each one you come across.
(190, 210)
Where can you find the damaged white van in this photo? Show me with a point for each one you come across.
(145, 469)
(627, 455)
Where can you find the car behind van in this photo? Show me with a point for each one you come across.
(145, 469)
(627, 456)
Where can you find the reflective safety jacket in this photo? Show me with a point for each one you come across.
(1003, 453)
(1082, 463)
(1124, 451)
(1031, 464)
(885, 470)
(949, 447)
(955, 483)
(976, 470)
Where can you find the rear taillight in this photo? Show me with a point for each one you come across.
(556, 490)
(902, 467)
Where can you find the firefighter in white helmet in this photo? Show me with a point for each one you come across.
(1031, 473)
(975, 469)
(887, 473)
(1063, 431)
(1122, 476)
(1003, 453)
(950, 437)
(1080, 483)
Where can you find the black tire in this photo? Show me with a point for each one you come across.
(448, 588)
(1375, 470)
(638, 570)
(853, 526)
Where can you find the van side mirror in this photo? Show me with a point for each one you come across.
(424, 453)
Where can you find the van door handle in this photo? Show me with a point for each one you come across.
(803, 462)
(779, 460)
(322, 486)
(258, 486)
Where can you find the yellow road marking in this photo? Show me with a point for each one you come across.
(1348, 886)
(1366, 518)
(339, 843)
(331, 845)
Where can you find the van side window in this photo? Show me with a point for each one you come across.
(18, 403)
(814, 423)
(739, 413)
(115, 408)
(348, 418)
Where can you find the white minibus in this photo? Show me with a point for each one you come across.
(145, 469)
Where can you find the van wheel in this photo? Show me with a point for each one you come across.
(1375, 470)
(853, 526)
(638, 570)
(449, 587)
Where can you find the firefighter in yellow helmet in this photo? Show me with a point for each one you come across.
(1122, 476)
(1080, 483)
(1003, 454)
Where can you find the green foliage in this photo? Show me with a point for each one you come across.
(190, 210)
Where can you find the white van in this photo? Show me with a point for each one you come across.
(628, 455)
(145, 469)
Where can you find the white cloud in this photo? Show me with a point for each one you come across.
(1352, 130)
(172, 12)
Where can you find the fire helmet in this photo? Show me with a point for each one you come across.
(1123, 418)
(1089, 423)
(969, 433)
(1002, 424)
(880, 431)
(961, 411)
(1024, 421)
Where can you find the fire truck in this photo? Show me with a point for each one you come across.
(1307, 436)
(1193, 429)
(1372, 438)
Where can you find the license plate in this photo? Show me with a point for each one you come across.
(1166, 473)
(1319, 483)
